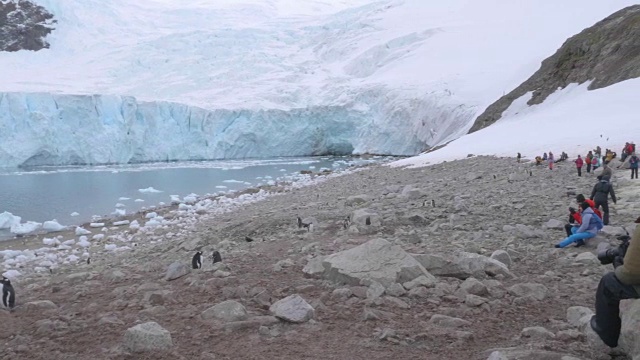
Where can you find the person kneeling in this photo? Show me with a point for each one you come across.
(591, 223)
(622, 284)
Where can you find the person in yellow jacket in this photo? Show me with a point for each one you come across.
(622, 284)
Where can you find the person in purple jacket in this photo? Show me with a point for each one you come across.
(591, 223)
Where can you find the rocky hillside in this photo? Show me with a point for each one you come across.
(474, 277)
(24, 26)
(606, 53)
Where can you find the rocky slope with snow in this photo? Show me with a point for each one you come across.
(24, 25)
(392, 77)
(475, 275)
(604, 54)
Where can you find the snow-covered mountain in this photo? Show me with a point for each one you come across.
(251, 78)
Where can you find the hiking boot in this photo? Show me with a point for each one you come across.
(607, 340)
(580, 243)
(556, 246)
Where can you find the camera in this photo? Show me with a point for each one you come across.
(615, 255)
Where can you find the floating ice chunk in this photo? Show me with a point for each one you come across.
(12, 274)
(51, 241)
(119, 212)
(175, 199)
(190, 199)
(161, 203)
(86, 255)
(64, 247)
(110, 247)
(150, 189)
(120, 223)
(23, 229)
(84, 242)
(96, 225)
(72, 258)
(82, 231)
(151, 215)
(135, 225)
(52, 226)
(69, 242)
(7, 220)
(139, 200)
(120, 205)
(75, 214)
(184, 207)
(97, 237)
(232, 181)
(124, 199)
(221, 187)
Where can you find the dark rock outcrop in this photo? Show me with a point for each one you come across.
(606, 53)
(24, 26)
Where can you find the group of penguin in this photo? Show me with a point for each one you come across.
(196, 261)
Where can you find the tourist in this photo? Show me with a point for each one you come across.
(589, 227)
(579, 164)
(575, 220)
(600, 196)
(589, 161)
(550, 159)
(622, 284)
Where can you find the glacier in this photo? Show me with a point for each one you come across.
(158, 80)
(57, 129)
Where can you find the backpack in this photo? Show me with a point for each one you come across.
(597, 221)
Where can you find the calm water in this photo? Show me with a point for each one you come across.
(54, 193)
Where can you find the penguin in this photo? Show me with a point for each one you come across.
(8, 294)
(196, 261)
(367, 220)
(88, 261)
(530, 173)
(299, 222)
(424, 203)
(433, 203)
(248, 239)
(216, 257)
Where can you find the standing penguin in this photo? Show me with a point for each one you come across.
(8, 294)
(196, 262)
(216, 257)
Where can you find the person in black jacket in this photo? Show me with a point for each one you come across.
(600, 195)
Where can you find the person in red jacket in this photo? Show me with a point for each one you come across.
(575, 219)
(589, 160)
(592, 204)
(579, 164)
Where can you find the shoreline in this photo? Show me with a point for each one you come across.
(34, 240)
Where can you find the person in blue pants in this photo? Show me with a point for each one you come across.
(587, 230)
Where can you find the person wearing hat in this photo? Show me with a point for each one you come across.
(623, 283)
(633, 161)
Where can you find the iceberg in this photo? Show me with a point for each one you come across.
(7, 220)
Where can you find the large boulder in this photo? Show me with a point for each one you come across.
(439, 266)
(293, 309)
(630, 336)
(366, 220)
(147, 337)
(376, 260)
(177, 270)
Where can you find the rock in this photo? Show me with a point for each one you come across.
(375, 290)
(365, 220)
(376, 260)
(576, 313)
(537, 332)
(357, 200)
(554, 224)
(502, 256)
(522, 354)
(474, 300)
(374, 314)
(474, 287)
(314, 268)
(40, 305)
(587, 258)
(341, 294)
(448, 321)
(425, 281)
(613, 230)
(293, 309)
(630, 335)
(147, 337)
(395, 302)
(396, 290)
(536, 291)
(473, 263)
(177, 270)
(229, 310)
(439, 266)
(497, 355)
(155, 298)
(411, 193)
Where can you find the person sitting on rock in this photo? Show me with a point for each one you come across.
(544, 157)
(575, 220)
(596, 162)
(538, 160)
(622, 284)
(600, 196)
(519, 157)
(607, 170)
(587, 230)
